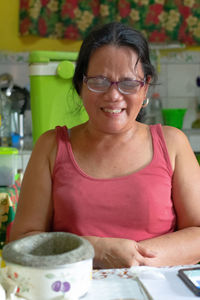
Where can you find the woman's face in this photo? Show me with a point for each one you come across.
(112, 111)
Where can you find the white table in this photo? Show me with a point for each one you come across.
(141, 283)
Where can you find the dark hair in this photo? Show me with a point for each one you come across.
(116, 34)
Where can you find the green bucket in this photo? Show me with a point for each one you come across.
(198, 156)
(174, 116)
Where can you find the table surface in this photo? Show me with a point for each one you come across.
(139, 283)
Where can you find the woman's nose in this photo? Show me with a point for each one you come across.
(113, 93)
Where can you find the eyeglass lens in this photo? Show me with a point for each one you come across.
(101, 84)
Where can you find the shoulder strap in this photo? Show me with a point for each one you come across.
(160, 147)
(62, 138)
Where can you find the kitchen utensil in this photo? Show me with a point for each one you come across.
(6, 86)
(50, 265)
(6, 81)
(19, 101)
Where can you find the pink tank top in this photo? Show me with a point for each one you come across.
(136, 206)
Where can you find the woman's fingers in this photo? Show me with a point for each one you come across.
(119, 253)
(146, 252)
(138, 258)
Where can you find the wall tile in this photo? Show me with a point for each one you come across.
(162, 86)
(15, 64)
(182, 80)
(19, 72)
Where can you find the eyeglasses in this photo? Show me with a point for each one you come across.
(100, 84)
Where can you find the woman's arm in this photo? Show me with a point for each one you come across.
(177, 248)
(34, 211)
(118, 253)
(182, 246)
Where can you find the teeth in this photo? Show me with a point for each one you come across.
(112, 111)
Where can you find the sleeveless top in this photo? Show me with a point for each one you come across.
(136, 206)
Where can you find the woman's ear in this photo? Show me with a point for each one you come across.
(146, 86)
(148, 79)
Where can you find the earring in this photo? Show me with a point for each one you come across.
(145, 102)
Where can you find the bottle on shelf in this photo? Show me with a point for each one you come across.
(154, 110)
(5, 128)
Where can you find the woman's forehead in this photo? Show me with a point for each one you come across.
(111, 49)
(115, 58)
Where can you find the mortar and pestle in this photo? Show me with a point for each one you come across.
(47, 266)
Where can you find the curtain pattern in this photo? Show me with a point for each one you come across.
(161, 21)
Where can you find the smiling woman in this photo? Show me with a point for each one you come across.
(115, 181)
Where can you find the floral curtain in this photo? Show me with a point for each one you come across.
(160, 20)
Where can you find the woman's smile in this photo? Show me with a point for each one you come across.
(112, 111)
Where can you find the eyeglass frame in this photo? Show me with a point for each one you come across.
(86, 78)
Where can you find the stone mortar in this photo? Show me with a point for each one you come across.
(48, 250)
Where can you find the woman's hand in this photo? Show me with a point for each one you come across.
(118, 253)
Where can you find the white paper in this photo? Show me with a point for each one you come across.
(115, 287)
(168, 287)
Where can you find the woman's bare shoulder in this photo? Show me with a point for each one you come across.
(177, 144)
(45, 148)
(174, 136)
(46, 140)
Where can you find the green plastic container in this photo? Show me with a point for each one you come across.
(174, 116)
(53, 98)
(8, 151)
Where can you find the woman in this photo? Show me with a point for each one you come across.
(131, 189)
